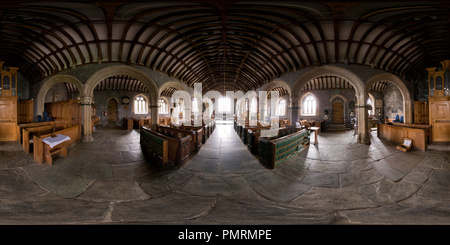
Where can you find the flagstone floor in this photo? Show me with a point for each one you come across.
(337, 181)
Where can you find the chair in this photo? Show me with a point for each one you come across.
(39, 118)
(401, 119)
(45, 116)
(397, 119)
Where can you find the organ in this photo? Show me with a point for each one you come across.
(439, 102)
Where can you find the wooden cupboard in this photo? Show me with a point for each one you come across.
(440, 118)
(439, 102)
(421, 112)
(8, 103)
(25, 111)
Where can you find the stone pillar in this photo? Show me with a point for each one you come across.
(294, 115)
(154, 110)
(294, 111)
(408, 111)
(86, 119)
(363, 125)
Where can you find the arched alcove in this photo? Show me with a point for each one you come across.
(407, 101)
(354, 80)
(50, 83)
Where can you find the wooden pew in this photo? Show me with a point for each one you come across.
(244, 131)
(31, 125)
(127, 123)
(201, 138)
(165, 121)
(395, 133)
(27, 133)
(253, 135)
(181, 132)
(137, 122)
(273, 152)
(73, 132)
(164, 152)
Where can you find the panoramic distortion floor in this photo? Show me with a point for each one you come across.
(336, 181)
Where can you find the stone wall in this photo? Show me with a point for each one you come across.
(392, 102)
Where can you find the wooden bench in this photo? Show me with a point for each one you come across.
(138, 122)
(181, 132)
(253, 136)
(273, 152)
(39, 149)
(164, 152)
(165, 121)
(201, 137)
(418, 133)
(245, 129)
(127, 123)
(27, 133)
(31, 125)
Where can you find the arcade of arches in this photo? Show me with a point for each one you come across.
(364, 73)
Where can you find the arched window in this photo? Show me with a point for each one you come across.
(282, 107)
(224, 105)
(194, 105)
(370, 102)
(309, 105)
(162, 106)
(140, 105)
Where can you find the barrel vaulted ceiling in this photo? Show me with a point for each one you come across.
(225, 45)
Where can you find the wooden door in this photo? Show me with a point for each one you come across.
(112, 111)
(338, 112)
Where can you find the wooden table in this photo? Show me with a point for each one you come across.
(55, 145)
(316, 131)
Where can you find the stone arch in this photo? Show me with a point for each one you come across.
(174, 84)
(50, 83)
(110, 71)
(338, 96)
(279, 83)
(407, 101)
(88, 93)
(354, 80)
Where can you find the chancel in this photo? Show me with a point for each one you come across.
(224, 112)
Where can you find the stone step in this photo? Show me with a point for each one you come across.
(337, 127)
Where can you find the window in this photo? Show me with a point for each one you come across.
(282, 107)
(309, 105)
(224, 105)
(369, 102)
(140, 105)
(162, 106)
(194, 105)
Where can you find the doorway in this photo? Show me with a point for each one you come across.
(338, 113)
(113, 110)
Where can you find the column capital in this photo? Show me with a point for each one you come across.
(86, 100)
